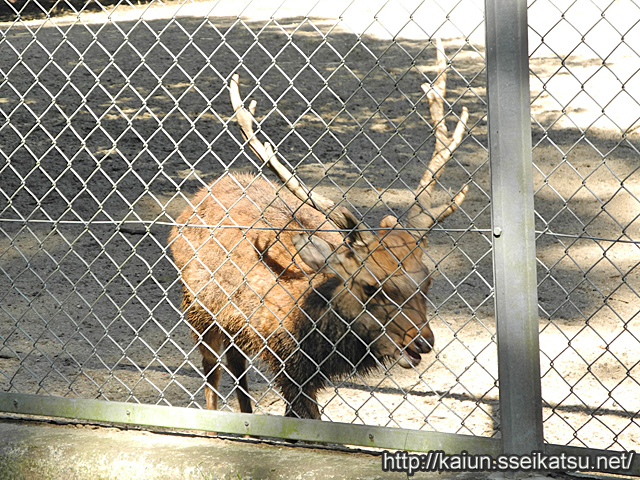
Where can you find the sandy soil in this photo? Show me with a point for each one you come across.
(108, 127)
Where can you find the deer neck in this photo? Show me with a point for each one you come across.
(335, 329)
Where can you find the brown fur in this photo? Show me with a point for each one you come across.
(250, 293)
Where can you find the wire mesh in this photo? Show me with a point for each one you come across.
(114, 116)
(584, 99)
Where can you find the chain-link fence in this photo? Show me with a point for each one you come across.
(114, 116)
(585, 110)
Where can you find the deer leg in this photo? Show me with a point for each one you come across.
(237, 364)
(210, 349)
(301, 401)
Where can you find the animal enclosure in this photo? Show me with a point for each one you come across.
(112, 118)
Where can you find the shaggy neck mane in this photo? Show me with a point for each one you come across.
(317, 352)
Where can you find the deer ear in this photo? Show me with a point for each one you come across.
(313, 250)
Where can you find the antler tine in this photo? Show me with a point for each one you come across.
(341, 217)
(419, 214)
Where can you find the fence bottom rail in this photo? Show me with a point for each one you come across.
(157, 416)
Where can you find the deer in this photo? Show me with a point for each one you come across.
(287, 277)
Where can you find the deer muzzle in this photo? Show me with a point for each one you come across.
(422, 342)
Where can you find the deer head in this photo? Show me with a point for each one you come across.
(384, 271)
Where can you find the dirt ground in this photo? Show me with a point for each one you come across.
(108, 127)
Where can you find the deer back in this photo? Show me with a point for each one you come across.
(235, 252)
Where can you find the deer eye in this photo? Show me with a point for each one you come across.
(369, 290)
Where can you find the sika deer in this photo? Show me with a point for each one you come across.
(267, 275)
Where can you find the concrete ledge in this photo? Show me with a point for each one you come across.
(37, 450)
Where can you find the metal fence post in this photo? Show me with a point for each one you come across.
(514, 255)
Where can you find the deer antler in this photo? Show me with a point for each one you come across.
(419, 214)
(341, 217)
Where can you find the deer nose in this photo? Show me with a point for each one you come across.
(424, 342)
